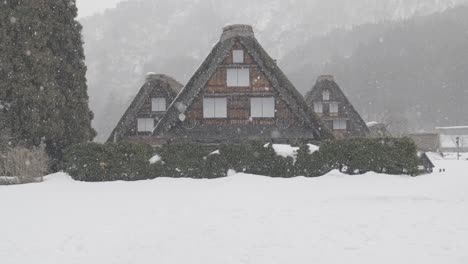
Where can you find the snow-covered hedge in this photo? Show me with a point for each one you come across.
(127, 161)
(361, 155)
(109, 162)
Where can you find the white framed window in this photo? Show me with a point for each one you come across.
(214, 107)
(145, 124)
(238, 77)
(326, 95)
(158, 104)
(340, 124)
(262, 107)
(318, 107)
(334, 108)
(238, 56)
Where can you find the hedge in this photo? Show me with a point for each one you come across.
(361, 155)
(127, 161)
(114, 161)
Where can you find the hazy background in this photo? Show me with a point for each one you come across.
(91, 7)
(403, 62)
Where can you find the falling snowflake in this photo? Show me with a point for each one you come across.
(182, 117)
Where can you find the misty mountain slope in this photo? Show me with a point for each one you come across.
(173, 37)
(412, 74)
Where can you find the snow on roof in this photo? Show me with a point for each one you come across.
(371, 124)
(453, 127)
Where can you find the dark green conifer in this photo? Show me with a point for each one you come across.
(42, 74)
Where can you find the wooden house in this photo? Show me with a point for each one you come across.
(238, 93)
(146, 109)
(330, 103)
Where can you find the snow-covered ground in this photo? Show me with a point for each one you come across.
(239, 219)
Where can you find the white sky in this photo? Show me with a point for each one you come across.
(89, 7)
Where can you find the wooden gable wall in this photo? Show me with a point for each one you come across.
(238, 99)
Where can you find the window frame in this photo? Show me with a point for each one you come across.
(234, 73)
(326, 95)
(262, 100)
(147, 128)
(238, 56)
(158, 104)
(316, 107)
(216, 114)
(338, 124)
(334, 106)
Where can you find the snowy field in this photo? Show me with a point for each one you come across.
(240, 219)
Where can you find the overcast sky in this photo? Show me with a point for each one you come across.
(89, 7)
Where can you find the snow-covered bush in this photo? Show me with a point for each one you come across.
(25, 165)
(191, 161)
(256, 157)
(310, 164)
(110, 162)
(361, 155)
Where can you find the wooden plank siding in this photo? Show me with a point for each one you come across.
(238, 98)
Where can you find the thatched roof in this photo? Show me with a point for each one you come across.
(245, 36)
(327, 82)
(153, 82)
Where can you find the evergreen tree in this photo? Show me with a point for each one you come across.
(43, 74)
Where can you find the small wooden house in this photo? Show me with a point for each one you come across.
(148, 107)
(238, 93)
(330, 103)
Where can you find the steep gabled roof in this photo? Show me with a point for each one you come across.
(245, 36)
(327, 82)
(153, 82)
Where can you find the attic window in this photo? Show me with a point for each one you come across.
(340, 124)
(263, 107)
(326, 95)
(145, 124)
(158, 104)
(238, 56)
(318, 107)
(238, 78)
(215, 107)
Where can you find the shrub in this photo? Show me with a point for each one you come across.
(191, 161)
(310, 164)
(109, 162)
(361, 155)
(257, 157)
(25, 165)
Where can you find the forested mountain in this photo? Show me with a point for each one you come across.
(140, 36)
(412, 74)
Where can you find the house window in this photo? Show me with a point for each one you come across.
(215, 107)
(145, 124)
(263, 107)
(158, 104)
(333, 108)
(238, 77)
(326, 95)
(340, 124)
(238, 56)
(318, 107)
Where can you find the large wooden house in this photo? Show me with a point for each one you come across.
(330, 103)
(239, 93)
